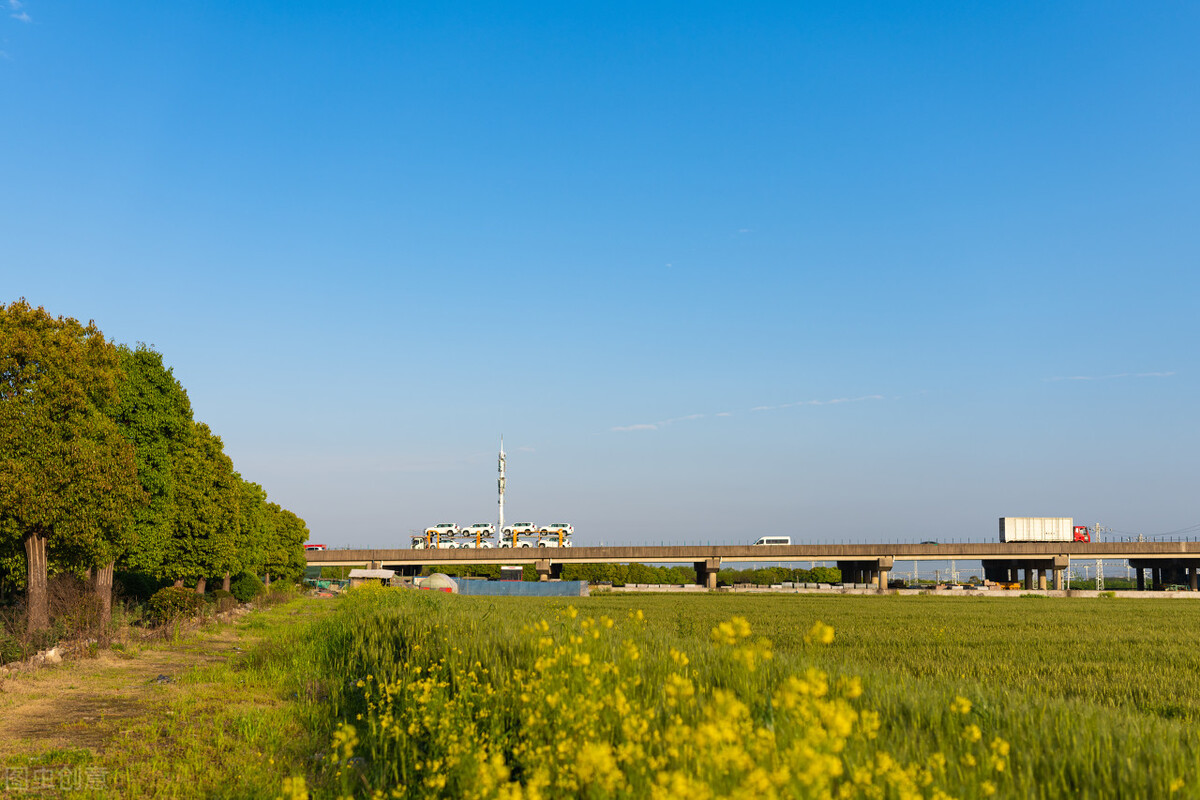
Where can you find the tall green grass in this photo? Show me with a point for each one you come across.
(1089, 698)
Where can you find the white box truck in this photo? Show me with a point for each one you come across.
(1042, 529)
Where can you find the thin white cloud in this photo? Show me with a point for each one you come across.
(654, 426)
(21, 16)
(526, 449)
(833, 402)
(1111, 377)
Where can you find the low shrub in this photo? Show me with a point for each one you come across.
(173, 603)
(246, 586)
(223, 600)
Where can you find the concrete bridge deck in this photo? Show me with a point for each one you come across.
(861, 562)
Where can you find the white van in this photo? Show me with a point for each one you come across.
(773, 540)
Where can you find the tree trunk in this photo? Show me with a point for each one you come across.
(37, 600)
(268, 579)
(102, 580)
(225, 583)
(179, 583)
(200, 584)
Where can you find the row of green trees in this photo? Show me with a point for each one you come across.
(102, 465)
(623, 574)
(768, 576)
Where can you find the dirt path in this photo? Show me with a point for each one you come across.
(86, 702)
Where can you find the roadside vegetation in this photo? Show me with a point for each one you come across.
(198, 708)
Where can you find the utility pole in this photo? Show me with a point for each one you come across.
(500, 485)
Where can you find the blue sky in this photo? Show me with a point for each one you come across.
(883, 271)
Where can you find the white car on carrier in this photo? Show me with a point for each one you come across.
(478, 532)
(556, 534)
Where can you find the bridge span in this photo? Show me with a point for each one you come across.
(1031, 562)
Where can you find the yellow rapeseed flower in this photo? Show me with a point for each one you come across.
(819, 633)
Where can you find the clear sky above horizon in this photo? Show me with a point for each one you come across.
(879, 271)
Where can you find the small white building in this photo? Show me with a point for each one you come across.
(360, 576)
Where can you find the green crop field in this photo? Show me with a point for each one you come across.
(396, 693)
(784, 695)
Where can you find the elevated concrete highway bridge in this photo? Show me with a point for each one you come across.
(1032, 562)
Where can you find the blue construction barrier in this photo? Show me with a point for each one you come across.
(522, 588)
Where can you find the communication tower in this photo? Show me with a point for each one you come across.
(500, 485)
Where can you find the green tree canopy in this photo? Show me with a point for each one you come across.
(206, 522)
(285, 552)
(156, 415)
(257, 530)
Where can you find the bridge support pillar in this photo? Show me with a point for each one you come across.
(1041, 577)
(542, 565)
(1028, 578)
(1141, 579)
(872, 572)
(374, 565)
(1059, 566)
(706, 573)
(1192, 581)
(883, 567)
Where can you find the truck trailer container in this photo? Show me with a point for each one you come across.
(1042, 529)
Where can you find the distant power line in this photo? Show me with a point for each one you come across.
(1195, 528)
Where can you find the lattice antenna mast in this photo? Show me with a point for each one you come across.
(500, 485)
(1096, 531)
